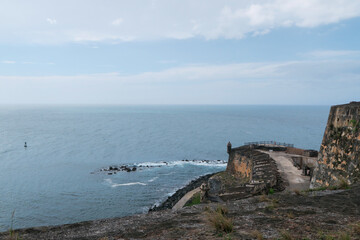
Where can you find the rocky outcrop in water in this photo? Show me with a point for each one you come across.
(136, 167)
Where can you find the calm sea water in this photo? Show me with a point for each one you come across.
(56, 180)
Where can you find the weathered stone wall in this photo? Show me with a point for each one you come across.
(339, 156)
(240, 164)
(248, 172)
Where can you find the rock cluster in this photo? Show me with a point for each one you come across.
(113, 169)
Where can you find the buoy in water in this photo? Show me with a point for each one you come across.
(25, 145)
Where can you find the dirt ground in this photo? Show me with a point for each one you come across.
(309, 215)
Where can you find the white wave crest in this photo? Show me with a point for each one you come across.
(153, 179)
(112, 184)
(210, 163)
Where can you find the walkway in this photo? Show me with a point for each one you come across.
(184, 199)
(292, 176)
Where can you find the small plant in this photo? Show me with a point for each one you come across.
(322, 236)
(343, 184)
(285, 235)
(317, 189)
(257, 234)
(218, 219)
(207, 209)
(220, 222)
(222, 209)
(344, 236)
(12, 234)
(227, 237)
(271, 191)
(264, 198)
(299, 193)
(353, 122)
(356, 228)
(272, 205)
(290, 215)
(270, 208)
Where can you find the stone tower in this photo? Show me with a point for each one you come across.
(339, 156)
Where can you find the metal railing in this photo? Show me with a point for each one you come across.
(270, 143)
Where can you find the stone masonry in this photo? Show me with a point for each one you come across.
(339, 156)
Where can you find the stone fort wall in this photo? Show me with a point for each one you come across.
(339, 156)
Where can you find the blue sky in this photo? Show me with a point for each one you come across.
(180, 52)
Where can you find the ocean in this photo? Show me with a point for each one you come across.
(57, 179)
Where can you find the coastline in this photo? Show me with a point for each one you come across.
(174, 198)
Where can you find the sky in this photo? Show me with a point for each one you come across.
(278, 52)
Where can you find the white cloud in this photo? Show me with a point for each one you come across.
(51, 21)
(295, 82)
(8, 62)
(117, 21)
(148, 20)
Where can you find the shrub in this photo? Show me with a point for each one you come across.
(344, 236)
(257, 234)
(285, 235)
(356, 228)
(220, 222)
(264, 198)
(290, 215)
(343, 184)
(223, 210)
(218, 219)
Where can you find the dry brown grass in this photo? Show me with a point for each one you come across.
(223, 210)
(290, 215)
(285, 235)
(356, 228)
(264, 198)
(219, 220)
(257, 234)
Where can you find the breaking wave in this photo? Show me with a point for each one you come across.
(112, 184)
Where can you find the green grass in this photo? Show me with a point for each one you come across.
(196, 199)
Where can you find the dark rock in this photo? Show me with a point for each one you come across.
(173, 199)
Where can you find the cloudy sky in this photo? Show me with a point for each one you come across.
(179, 52)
